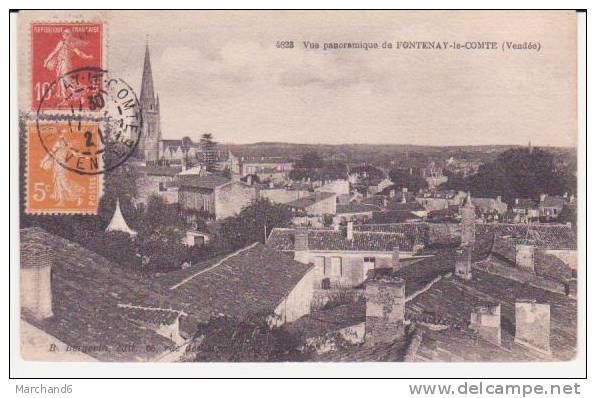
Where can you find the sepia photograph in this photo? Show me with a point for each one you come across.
(298, 187)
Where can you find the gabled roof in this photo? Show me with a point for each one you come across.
(544, 236)
(328, 239)
(483, 289)
(253, 280)
(87, 291)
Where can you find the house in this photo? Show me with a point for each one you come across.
(490, 205)
(342, 256)
(214, 194)
(525, 210)
(76, 305)
(283, 195)
(315, 204)
(341, 188)
(275, 169)
(410, 315)
(354, 212)
(550, 207)
(157, 180)
(379, 186)
(255, 280)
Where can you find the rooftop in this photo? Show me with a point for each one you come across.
(328, 239)
(489, 289)
(544, 236)
(307, 201)
(253, 280)
(210, 181)
(88, 291)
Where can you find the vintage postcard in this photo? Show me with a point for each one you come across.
(298, 186)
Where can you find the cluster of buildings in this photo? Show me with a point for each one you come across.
(369, 271)
(368, 292)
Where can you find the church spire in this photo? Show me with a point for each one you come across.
(147, 82)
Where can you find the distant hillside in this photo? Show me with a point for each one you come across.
(376, 153)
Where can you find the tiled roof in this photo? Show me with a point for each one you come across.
(328, 320)
(410, 206)
(309, 200)
(328, 239)
(544, 236)
(87, 291)
(483, 289)
(416, 232)
(211, 181)
(253, 281)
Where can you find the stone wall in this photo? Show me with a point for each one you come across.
(231, 198)
(385, 309)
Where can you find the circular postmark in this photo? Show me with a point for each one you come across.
(102, 128)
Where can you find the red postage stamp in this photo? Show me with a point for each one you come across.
(53, 183)
(57, 49)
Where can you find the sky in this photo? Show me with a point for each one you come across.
(220, 72)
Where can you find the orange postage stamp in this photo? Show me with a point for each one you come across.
(59, 176)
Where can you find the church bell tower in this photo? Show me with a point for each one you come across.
(148, 148)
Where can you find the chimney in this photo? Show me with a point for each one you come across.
(499, 198)
(271, 184)
(350, 231)
(392, 193)
(395, 259)
(385, 309)
(486, 321)
(532, 325)
(301, 240)
(36, 280)
(404, 190)
(463, 262)
(403, 197)
(516, 201)
(524, 257)
(249, 179)
(317, 196)
(385, 202)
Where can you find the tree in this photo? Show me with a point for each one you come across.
(403, 179)
(521, 173)
(253, 222)
(208, 146)
(310, 160)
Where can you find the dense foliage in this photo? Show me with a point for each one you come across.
(312, 166)
(517, 173)
(403, 178)
(254, 223)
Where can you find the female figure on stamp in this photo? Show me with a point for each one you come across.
(60, 60)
